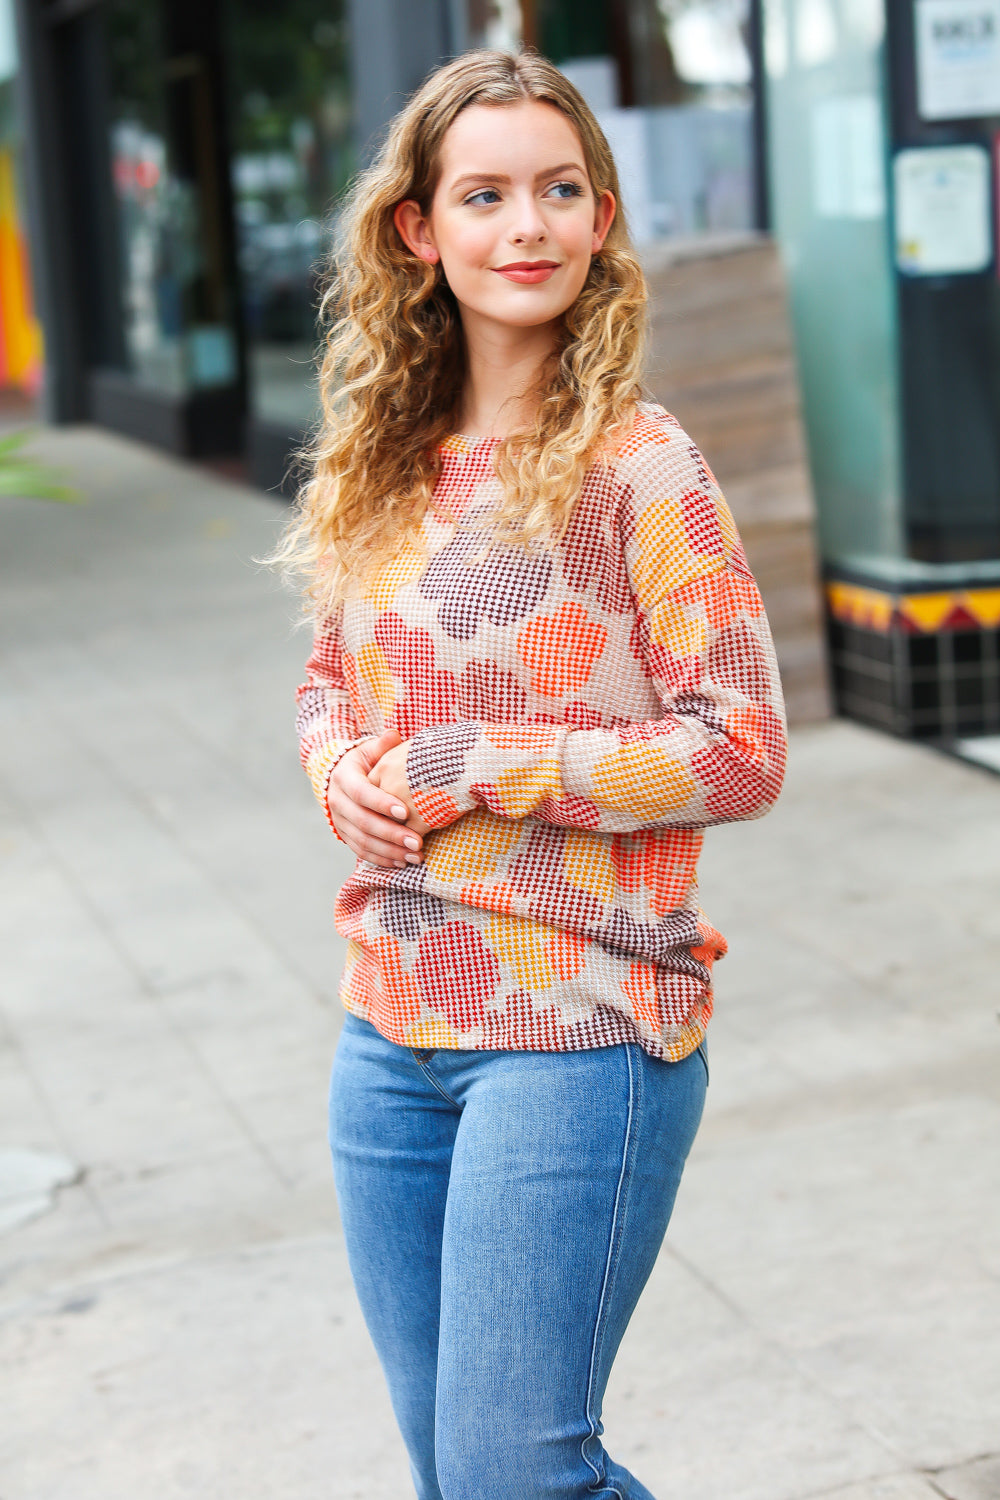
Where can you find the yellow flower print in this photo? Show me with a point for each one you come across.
(525, 950)
(588, 864)
(432, 1030)
(383, 587)
(684, 634)
(664, 559)
(642, 779)
(473, 848)
(522, 788)
(567, 952)
(373, 671)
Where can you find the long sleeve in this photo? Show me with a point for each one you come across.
(325, 721)
(715, 753)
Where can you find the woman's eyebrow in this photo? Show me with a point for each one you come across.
(499, 177)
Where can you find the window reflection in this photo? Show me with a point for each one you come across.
(708, 41)
(671, 82)
(154, 212)
(293, 153)
(177, 304)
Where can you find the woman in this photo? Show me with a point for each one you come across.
(541, 668)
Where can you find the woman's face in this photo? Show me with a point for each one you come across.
(514, 221)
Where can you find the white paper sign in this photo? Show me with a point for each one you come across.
(942, 210)
(958, 59)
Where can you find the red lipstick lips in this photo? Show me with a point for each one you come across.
(528, 272)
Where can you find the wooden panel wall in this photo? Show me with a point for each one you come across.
(722, 362)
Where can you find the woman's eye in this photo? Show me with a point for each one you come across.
(485, 195)
(566, 190)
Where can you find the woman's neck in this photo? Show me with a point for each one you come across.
(502, 369)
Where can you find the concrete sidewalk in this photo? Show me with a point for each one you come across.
(178, 1321)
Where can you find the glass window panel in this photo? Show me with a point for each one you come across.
(157, 212)
(827, 150)
(292, 154)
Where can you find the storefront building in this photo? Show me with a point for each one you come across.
(185, 159)
(188, 156)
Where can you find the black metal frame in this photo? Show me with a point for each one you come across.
(761, 175)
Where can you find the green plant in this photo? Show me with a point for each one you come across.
(24, 476)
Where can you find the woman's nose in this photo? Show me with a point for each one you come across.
(527, 225)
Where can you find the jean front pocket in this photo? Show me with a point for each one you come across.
(702, 1050)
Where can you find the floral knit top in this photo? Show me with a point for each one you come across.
(576, 717)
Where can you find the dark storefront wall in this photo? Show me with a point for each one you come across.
(949, 351)
(186, 158)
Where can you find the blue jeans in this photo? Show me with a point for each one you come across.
(502, 1212)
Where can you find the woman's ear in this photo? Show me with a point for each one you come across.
(414, 230)
(604, 217)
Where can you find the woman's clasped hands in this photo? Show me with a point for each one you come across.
(371, 804)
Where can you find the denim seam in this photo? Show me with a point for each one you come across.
(425, 1070)
(614, 1240)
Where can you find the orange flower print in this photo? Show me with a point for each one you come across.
(497, 897)
(661, 861)
(567, 953)
(640, 988)
(712, 946)
(360, 985)
(560, 650)
(377, 984)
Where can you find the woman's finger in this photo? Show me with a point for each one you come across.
(386, 856)
(355, 785)
(371, 847)
(371, 826)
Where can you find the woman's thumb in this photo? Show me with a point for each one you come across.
(387, 740)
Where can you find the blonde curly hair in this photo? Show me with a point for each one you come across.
(393, 358)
